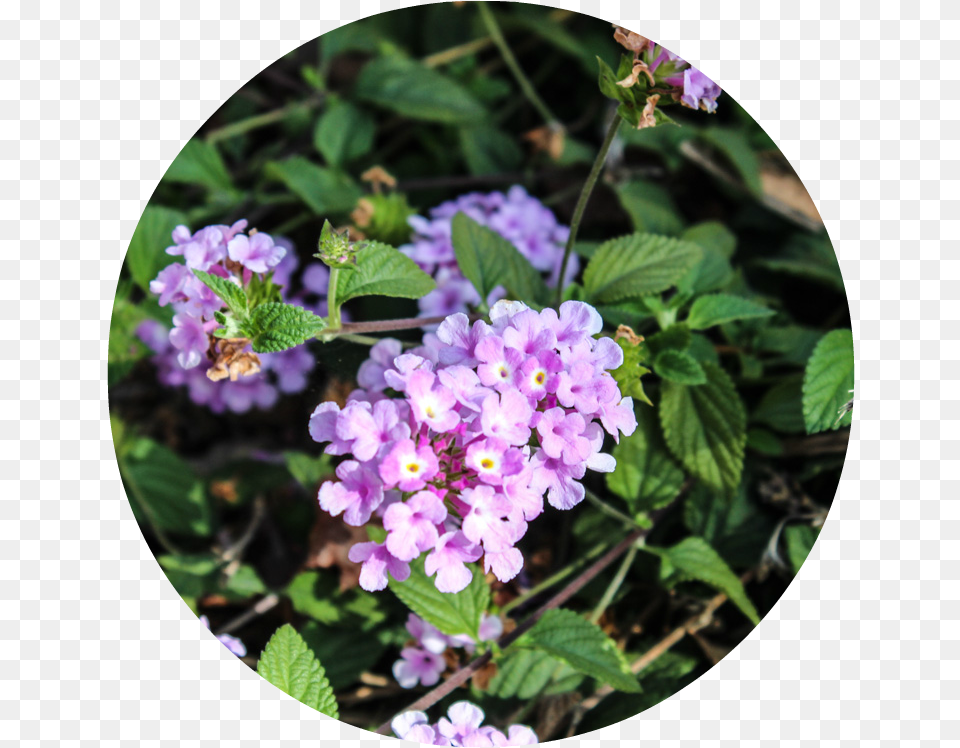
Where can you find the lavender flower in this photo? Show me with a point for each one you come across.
(463, 726)
(232, 643)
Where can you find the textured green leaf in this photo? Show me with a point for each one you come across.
(781, 407)
(245, 582)
(146, 255)
(413, 90)
(345, 654)
(765, 442)
(637, 265)
(674, 338)
(736, 527)
(799, 540)
(720, 308)
(165, 489)
(705, 427)
(230, 293)
(452, 613)
(680, 367)
(199, 163)
(646, 476)
(344, 132)
(308, 469)
(277, 327)
(289, 664)
(489, 150)
(650, 207)
(810, 257)
(827, 382)
(383, 270)
(693, 559)
(734, 147)
(488, 261)
(702, 349)
(582, 645)
(628, 375)
(608, 84)
(314, 595)
(712, 235)
(523, 673)
(793, 343)
(325, 191)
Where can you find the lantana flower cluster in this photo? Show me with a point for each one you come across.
(422, 661)
(489, 419)
(185, 354)
(517, 216)
(463, 726)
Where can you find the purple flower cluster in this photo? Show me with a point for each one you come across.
(180, 352)
(518, 217)
(491, 417)
(699, 92)
(463, 726)
(230, 642)
(422, 661)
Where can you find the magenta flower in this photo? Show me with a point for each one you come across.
(484, 522)
(559, 480)
(430, 402)
(408, 467)
(370, 428)
(529, 335)
(412, 524)
(232, 643)
(581, 388)
(448, 561)
(576, 322)
(618, 417)
(358, 492)
(426, 635)
(506, 416)
(418, 666)
(494, 460)
(561, 436)
(205, 248)
(499, 367)
(377, 563)
(699, 92)
(257, 253)
(464, 384)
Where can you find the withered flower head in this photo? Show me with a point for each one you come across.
(378, 177)
(634, 42)
(647, 118)
(233, 360)
(626, 333)
(363, 213)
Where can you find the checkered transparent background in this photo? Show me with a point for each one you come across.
(95, 101)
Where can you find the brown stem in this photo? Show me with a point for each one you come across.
(389, 325)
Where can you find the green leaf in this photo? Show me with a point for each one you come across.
(567, 636)
(701, 348)
(736, 527)
(628, 375)
(693, 559)
(289, 664)
(277, 327)
(382, 270)
(165, 489)
(489, 150)
(409, 88)
(525, 674)
(325, 191)
(191, 575)
(199, 163)
(827, 382)
(712, 235)
(705, 427)
(146, 255)
(720, 308)
(308, 469)
(793, 343)
(781, 407)
(674, 338)
(314, 595)
(810, 257)
(230, 293)
(734, 147)
(245, 582)
(488, 261)
(679, 367)
(646, 476)
(636, 265)
(346, 654)
(799, 540)
(651, 208)
(452, 613)
(608, 84)
(344, 132)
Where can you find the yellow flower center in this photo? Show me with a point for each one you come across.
(413, 467)
(539, 377)
(486, 463)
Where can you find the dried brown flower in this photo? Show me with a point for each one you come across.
(627, 333)
(378, 177)
(232, 359)
(647, 118)
(634, 42)
(550, 139)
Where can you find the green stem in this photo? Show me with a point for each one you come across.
(508, 57)
(261, 120)
(333, 306)
(553, 579)
(585, 198)
(614, 586)
(610, 511)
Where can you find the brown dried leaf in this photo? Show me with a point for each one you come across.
(549, 139)
(632, 41)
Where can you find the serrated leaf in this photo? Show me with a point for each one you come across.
(693, 559)
(325, 191)
(199, 163)
(289, 664)
(712, 235)
(793, 343)
(679, 367)
(827, 382)
(416, 91)
(781, 407)
(705, 427)
(488, 261)
(314, 595)
(382, 270)
(650, 207)
(344, 132)
(276, 327)
(489, 150)
(702, 349)
(345, 654)
(451, 613)
(674, 338)
(582, 645)
(523, 673)
(628, 375)
(720, 308)
(230, 293)
(165, 489)
(636, 265)
(646, 476)
(736, 527)
(146, 255)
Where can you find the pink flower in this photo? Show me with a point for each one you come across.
(257, 253)
(494, 460)
(382, 355)
(499, 367)
(430, 402)
(412, 525)
(357, 494)
(370, 428)
(448, 561)
(561, 436)
(418, 665)
(189, 336)
(409, 467)
(460, 339)
(506, 416)
(484, 522)
(377, 563)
